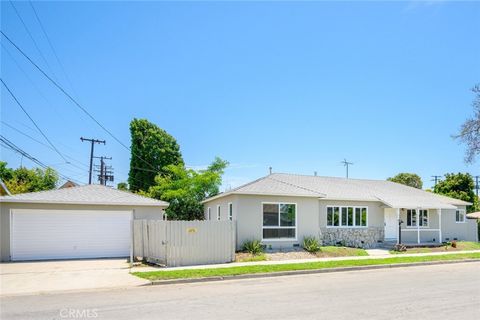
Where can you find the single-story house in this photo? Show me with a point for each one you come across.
(89, 221)
(282, 209)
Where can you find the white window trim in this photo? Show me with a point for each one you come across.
(280, 227)
(340, 217)
(418, 219)
(219, 215)
(209, 213)
(230, 211)
(462, 211)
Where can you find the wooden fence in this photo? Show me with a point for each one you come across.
(184, 243)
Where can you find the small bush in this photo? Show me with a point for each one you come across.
(454, 244)
(253, 247)
(399, 247)
(311, 244)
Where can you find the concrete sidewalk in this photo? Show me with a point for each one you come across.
(51, 276)
(239, 264)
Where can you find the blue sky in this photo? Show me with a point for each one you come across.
(295, 86)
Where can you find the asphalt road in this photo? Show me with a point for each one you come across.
(429, 292)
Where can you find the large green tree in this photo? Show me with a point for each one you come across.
(185, 189)
(152, 150)
(408, 179)
(23, 180)
(470, 131)
(458, 186)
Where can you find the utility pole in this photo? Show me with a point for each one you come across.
(346, 164)
(436, 178)
(92, 141)
(105, 172)
(476, 185)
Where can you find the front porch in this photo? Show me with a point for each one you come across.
(413, 226)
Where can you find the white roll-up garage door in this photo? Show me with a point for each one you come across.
(69, 234)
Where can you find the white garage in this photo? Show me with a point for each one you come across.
(68, 234)
(75, 223)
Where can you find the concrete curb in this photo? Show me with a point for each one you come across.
(302, 272)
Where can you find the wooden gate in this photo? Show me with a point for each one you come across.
(184, 243)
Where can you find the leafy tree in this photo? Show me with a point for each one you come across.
(152, 150)
(185, 189)
(408, 179)
(458, 186)
(5, 172)
(23, 180)
(470, 130)
(122, 186)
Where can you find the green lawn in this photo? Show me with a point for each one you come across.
(461, 246)
(232, 271)
(333, 251)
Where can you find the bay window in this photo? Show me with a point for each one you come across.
(279, 221)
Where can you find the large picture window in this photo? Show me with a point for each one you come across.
(279, 220)
(347, 216)
(413, 218)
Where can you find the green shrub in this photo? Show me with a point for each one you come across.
(253, 247)
(311, 244)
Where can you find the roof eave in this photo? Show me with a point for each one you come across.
(260, 194)
(136, 204)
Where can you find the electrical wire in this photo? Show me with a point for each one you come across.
(51, 47)
(45, 145)
(10, 145)
(33, 121)
(31, 37)
(73, 100)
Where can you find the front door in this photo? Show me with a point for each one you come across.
(391, 224)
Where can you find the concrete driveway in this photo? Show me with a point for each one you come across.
(18, 278)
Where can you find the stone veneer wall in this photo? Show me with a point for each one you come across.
(352, 237)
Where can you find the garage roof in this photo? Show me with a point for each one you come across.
(88, 194)
(392, 194)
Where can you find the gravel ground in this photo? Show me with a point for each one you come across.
(289, 255)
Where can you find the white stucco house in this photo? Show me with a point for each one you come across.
(282, 209)
(91, 221)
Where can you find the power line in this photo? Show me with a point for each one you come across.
(73, 100)
(51, 47)
(10, 145)
(31, 37)
(33, 121)
(45, 145)
(31, 81)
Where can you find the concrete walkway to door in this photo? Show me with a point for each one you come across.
(18, 278)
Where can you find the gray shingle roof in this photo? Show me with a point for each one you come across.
(392, 194)
(88, 194)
